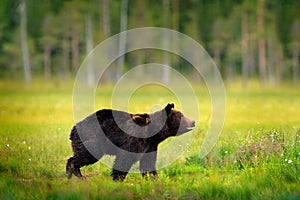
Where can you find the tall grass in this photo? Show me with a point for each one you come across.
(256, 157)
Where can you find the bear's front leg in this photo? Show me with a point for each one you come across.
(122, 166)
(147, 164)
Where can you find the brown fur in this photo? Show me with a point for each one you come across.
(130, 137)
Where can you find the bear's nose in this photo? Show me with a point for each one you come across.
(193, 123)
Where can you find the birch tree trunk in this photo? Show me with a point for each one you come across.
(122, 38)
(245, 63)
(166, 40)
(279, 61)
(217, 59)
(295, 46)
(105, 32)
(47, 47)
(24, 46)
(175, 26)
(105, 17)
(295, 66)
(261, 42)
(217, 45)
(75, 51)
(89, 48)
(271, 64)
(65, 56)
(47, 61)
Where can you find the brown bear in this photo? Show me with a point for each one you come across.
(130, 137)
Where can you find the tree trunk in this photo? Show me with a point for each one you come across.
(122, 38)
(47, 61)
(138, 57)
(252, 62)
(65, 57)
(166, 40)
(175, 14)
(47, 47)
(175, 43)
(230, 71)
(24, 46)
(217, 59)
(261, 42)
(75, 51)
(295, 66)
(105, 17)
(216, 45)
(279, 60)
(105, 32)
(295, 46)
(245, 52)
(89, 48)
(271, 62)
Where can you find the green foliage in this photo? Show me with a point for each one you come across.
(215, 24)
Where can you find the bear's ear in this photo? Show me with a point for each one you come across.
(141, 119)
(169, 107)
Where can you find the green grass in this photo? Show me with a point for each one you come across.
(256, 157)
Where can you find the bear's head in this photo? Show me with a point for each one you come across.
(176, 122)
(158, 125)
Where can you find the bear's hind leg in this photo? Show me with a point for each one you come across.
(118, 175)
(71, 168)
(79, 160)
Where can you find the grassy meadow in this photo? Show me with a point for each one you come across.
(256, 157)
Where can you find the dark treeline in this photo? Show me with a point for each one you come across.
(246, 38)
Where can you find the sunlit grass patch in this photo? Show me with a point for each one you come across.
(257, 155)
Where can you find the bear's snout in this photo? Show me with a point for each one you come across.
(193, 123)
(188, 122)
(186, 125)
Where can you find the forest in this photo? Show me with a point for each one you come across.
(246, 142)
(247, 39)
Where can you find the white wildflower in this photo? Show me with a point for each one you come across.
(29, 148)
(29, 159)
(24, 142)
(7, 145)
(290, 161)
(226, 152)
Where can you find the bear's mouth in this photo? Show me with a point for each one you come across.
(189, 128)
